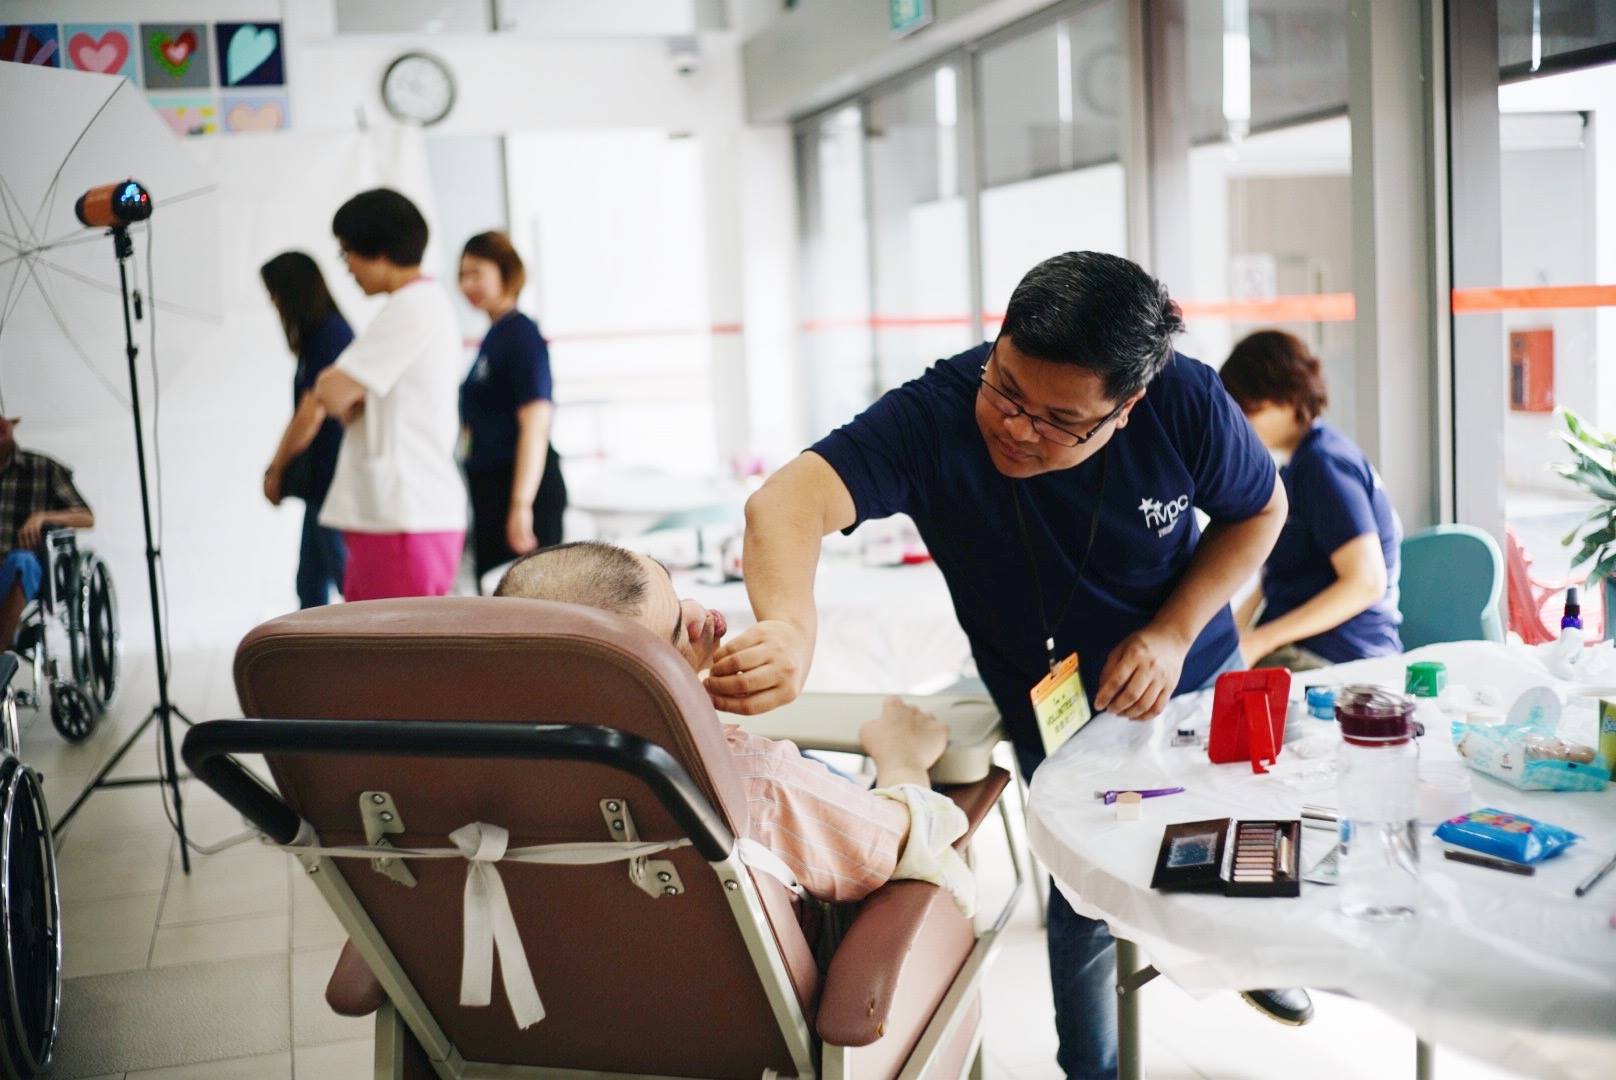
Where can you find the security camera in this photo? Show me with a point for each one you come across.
(684, 55)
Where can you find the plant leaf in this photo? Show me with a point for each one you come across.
(1597, 481)
(1602, 440)
(1603, 513)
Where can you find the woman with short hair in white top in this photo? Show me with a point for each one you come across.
(397, 494)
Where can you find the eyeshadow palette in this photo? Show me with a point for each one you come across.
(1236, 858)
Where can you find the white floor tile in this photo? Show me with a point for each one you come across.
(103, 936)
(336, 1061)
(248, 880)
(98, 867)
(263, 1067)
(313, 1022)
(230, 939)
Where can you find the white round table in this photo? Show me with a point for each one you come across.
(1512, 969)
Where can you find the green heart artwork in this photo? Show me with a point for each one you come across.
(176, 56)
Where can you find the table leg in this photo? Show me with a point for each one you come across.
(1424, 1060)
(1129, 1064)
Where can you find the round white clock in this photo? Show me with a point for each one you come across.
(418, 89)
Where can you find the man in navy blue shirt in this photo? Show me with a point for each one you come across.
(1054, 474)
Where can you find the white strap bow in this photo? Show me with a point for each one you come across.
(489, 924)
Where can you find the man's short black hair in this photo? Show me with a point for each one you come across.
(381, 223)
(1101, 312)
(584, 572)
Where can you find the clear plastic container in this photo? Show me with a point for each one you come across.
(1378, 794)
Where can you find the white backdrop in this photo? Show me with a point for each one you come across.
(224, 384)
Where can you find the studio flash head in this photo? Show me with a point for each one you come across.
(114, 205)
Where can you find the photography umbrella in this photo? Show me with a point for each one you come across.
(67, 345)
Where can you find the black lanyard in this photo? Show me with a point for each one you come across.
(1082, 567)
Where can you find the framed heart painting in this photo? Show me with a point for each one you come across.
(250, 54)
(176, 56)
(256, 112)
(105, 48)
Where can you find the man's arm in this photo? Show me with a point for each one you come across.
(1360, 580)
(33, 529)
(785, 521)
(1141, 673)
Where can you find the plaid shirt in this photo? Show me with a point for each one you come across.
(30, 483)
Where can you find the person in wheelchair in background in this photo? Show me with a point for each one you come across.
(36, 493)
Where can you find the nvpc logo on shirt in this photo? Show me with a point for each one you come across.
(1163, 516)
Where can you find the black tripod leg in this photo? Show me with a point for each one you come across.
(166, 734)
(96, 782)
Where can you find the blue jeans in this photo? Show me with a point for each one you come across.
(20, 568)
(1083, 969)
(322, 558)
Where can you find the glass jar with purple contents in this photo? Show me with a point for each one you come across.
(1378, 789)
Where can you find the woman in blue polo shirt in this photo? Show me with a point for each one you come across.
(306, 458)
(1329, 588)
(512, 471)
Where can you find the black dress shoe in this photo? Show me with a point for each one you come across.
(1290, 1007)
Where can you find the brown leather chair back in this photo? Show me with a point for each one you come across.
(631, 983)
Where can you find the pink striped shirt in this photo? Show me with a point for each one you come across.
(841, 840)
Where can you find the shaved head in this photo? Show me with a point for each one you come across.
(590, 573)
(622, 582)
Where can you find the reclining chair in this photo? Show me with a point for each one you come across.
(657, 945)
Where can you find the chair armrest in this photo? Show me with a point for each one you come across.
(902, 950)
(353, 989)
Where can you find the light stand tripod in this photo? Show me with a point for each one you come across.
(123, 248)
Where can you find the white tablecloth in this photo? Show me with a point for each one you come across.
(1511, 969)
(882, 629)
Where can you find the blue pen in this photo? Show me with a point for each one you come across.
(1144, 793)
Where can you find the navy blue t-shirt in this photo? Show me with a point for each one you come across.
(918, 450)
(319, 351)
(512, 369)
(1335, 496)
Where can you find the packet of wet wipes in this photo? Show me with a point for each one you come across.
(1507, 836)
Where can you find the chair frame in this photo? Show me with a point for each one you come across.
(208, 751)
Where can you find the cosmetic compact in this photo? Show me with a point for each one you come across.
(1235, 858)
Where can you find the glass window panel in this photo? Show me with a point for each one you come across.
(918, 226)
(1533, 34)
(1295, 52)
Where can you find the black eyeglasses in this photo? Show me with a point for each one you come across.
(1010, 409)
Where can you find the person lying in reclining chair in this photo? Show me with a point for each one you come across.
(840, 840)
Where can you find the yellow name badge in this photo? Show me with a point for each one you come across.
(1060, 704)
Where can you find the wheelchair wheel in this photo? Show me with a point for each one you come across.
(101, 649)
(31, 941)
(72, 712)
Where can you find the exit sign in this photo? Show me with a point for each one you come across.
(907, 16)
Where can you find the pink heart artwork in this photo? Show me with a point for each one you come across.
(177, 50)
(105, 55)
(244, 117)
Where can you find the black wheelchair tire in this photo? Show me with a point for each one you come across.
(101, 639)
(72, 712)
(30, 926)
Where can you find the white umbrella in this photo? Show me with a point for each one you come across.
(61, 328)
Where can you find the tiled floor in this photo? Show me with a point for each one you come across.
(220, 975)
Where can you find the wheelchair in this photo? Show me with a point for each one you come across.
(69, 635)
(30, 931)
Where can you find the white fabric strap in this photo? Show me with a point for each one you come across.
(489, 924)
(757, 857)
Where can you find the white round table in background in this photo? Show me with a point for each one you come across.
(1515, 970)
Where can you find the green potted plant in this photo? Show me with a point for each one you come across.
(1593, 469)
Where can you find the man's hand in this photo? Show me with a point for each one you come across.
(519, 530)
(1141, 674)
(762, 669)
(32, 533)
(272, 485)
(903, 742)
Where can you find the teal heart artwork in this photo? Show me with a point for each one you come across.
(248, 50)
(252, 53)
